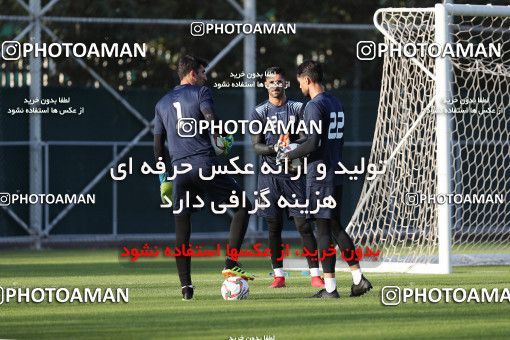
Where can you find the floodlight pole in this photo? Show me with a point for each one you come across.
(35, 173)
(250, 98)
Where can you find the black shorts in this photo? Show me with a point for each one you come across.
(217, 190)
(316, 192)
(281, 186)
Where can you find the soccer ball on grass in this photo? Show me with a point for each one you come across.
(235, 288)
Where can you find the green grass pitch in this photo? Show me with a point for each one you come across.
(155, 308)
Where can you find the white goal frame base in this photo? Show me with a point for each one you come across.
(409, 268)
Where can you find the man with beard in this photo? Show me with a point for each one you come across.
(191, 100)
(279, 109)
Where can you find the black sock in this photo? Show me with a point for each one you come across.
(238, 227)
(308, 240)
(229, 263)
(340, 237)
(343, 240)
(325, 241)
(275, 227)
(182, 236)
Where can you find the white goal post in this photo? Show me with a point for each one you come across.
(437, 149)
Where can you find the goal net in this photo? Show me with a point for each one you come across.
(443, 129)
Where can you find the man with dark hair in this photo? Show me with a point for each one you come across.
(192, 100)
(310, 69)
(325, 148)
(280, 109)
(190, 63)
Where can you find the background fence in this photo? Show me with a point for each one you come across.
(72, 154)
(127, 209)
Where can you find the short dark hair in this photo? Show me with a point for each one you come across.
(274, 70)
(188, 63)
(310, 69)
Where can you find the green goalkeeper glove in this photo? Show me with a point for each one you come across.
(222, 145)
(228, 142)
(165, 187)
